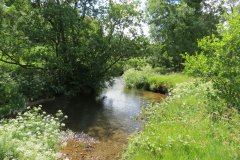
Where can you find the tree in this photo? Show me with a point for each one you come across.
(177, 25)
(72, 46)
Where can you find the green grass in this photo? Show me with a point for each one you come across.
(148, 79)
(186, 126)
(169, 80)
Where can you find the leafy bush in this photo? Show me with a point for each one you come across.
(136, 63)
(34, 84)
(163, 70)
(32, 135)
(11, 100)
(186, 127)
(219, 61)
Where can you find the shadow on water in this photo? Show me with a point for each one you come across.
(101, 117)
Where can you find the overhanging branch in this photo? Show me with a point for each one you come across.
(25, 66)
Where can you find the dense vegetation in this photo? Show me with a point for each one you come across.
(150, 79)
(32, 135)
(201, 119)
(188, 125)
(52, 48)
(219, 60)
(177, 25)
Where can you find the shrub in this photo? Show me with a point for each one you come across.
(136, 63)
(185, 127)
(33, 135)
(219, 61)
(11, 100)
(34, 84)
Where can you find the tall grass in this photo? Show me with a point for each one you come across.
(187, 126)
(149, 79)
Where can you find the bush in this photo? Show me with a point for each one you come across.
(34, 84)
(11, 100)
(32, 135)
(186, 127)
(219, 61)
(136, 63)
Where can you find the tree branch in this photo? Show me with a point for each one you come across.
(25, 66)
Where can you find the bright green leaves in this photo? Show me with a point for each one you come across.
(220, 61)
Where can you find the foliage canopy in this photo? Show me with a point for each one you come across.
(176, 25)
(66, 47)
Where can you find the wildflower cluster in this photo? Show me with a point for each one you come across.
(32, 135)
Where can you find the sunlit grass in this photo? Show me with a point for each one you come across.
(169, 80)
(148, 79)
(185, 127)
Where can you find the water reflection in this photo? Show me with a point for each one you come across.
(113, 111)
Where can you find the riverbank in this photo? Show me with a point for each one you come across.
(187, 125)
(148, 79)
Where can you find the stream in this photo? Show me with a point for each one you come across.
(110, 117)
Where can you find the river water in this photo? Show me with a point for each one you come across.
(111, 115)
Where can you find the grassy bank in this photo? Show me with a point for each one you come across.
(187, 126)
(149, 79)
